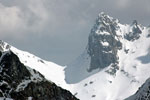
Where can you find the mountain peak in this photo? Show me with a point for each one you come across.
(103, 43)
(104, 15)
(106, 19)
(4, 46)
(135, 22)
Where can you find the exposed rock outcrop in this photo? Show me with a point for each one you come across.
(103, 43)
(135, 32)
(21, 83)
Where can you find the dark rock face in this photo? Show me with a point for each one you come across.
(135, 33)
(4, 45)
(43, 91)
(104, 31)
(143, 93)
(17, 82)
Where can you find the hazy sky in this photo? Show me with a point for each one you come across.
(57, 30)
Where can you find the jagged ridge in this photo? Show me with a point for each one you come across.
(21, 83)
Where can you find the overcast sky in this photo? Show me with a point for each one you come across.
(57, 30)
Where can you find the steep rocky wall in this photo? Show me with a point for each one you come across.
(103, 42)
(21, 83)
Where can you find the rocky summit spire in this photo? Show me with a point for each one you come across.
(102, 43)
(135, 31)
(106, 19)
(105, 24)
(135, 22)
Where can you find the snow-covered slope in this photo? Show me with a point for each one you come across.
(113, 66)
(115, 63)
(19, 82)
(50, 70)
(143, 93)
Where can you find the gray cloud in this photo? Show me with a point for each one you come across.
(22, 18)
(58, 29)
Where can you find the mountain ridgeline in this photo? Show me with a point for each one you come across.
(19, 82)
